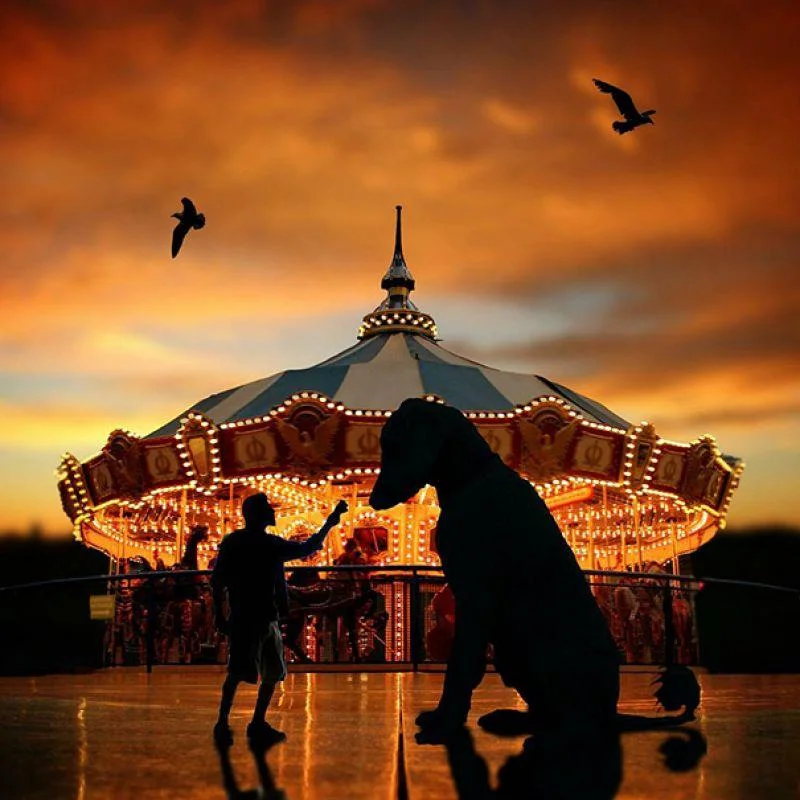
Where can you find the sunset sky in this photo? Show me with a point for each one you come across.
(656, 272)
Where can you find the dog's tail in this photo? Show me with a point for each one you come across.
(679, 689)
(627, 723)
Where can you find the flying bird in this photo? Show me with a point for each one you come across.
(633, 118)
(187, 219)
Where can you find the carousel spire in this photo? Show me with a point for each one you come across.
(398, 279)
(397, 314)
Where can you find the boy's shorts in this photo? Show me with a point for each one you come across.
(255, 650)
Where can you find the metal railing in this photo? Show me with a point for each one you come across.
(395, 616)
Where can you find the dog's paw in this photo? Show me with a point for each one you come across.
(507, 722)
(438, 717)
(425, 718)
(438, 727)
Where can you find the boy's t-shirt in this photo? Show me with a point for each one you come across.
(250, 566)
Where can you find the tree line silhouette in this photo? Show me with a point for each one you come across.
(48, 630)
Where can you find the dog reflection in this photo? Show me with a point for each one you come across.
(548, 767)
(551, 767)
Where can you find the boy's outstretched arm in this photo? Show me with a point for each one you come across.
(289, 551)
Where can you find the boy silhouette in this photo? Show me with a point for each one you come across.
(249, 566)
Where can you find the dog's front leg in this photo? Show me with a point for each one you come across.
(465, 670)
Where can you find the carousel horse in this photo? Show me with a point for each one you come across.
(683, 621)
(300, 585)
(516, 584)
(332, 602)
(604, 597)
(439, 638)
(127, 631)
(626, 608)
(184, 604)
(651, 620)
(364, 600)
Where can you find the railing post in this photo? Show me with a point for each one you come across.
(150, 637)
(110, 633)
(669, 625)
(415, 610)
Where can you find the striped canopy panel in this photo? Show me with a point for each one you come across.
(381, 371)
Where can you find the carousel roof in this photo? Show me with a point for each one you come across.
(397, 357)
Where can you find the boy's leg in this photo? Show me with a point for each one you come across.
(265, 691)
(223, 735)
(226, 702)
(272, 668)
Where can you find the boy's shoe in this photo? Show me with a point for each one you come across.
(264, 733)
(223, 735)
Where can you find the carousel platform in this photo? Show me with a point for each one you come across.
(124, 734)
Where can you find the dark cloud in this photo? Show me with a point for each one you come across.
(736, 417)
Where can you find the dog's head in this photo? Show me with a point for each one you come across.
(410, 443)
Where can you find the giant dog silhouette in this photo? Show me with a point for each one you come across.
(516, 583)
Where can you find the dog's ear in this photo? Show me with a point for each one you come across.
(410, 443)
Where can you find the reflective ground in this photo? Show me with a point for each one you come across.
(124, 734)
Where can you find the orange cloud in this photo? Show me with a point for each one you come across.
(297, 127)
(36, 428)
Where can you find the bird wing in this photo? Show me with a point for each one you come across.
(532, 436)
(621, 98)
(324, 436)
(291, 436)
(563, 439)
(178, 235)
(546, 459)
(188, 207)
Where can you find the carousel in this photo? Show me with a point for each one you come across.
(623, 495)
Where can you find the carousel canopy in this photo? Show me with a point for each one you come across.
(382, 371)
(308, 436)
(397, 357)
